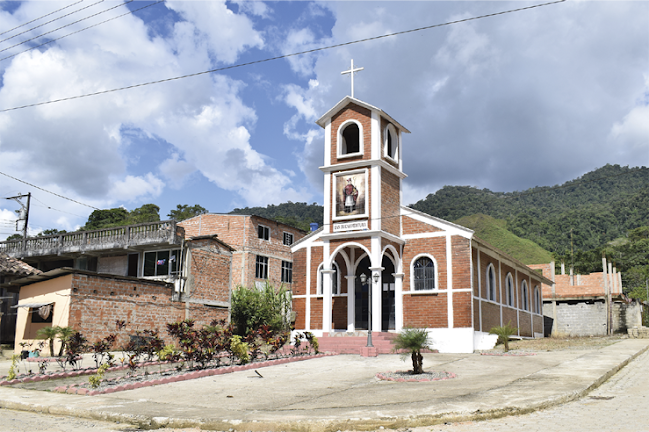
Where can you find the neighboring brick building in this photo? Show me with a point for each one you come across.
(420, 271)
(261, 247)
(185, 272)
(587, 305)
(91, 302)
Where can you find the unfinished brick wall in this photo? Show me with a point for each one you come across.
(412, 226)
(339, 313)
(97, 302)
(209, 271)
(462, 310)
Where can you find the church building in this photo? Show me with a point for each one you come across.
(376, 264)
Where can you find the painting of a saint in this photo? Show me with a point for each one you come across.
(350, 194)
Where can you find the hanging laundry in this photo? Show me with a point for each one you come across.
(162, 261)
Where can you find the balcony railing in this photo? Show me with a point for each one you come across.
(103, 239)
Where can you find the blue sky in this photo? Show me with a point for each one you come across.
(536, 97)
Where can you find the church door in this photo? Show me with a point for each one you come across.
(387, 294)
(361, 293)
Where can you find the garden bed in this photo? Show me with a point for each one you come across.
(119, 379)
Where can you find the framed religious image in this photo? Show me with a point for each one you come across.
(350, 194)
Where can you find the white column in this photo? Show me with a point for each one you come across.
(376, 136)
(327, 301)
(398, 301)
(449, 280)
(327, 273)
(351, 302)
(376, 286)
(328, 205)
(307, 309)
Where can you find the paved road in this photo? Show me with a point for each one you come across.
(620, 404)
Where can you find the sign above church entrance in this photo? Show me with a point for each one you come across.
(350, 226)
(350, 194)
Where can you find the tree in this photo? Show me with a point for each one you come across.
(412, 341)
(50, 334)
(49, 232)
(119, 216)
(15, 237)
(146, 213)
(99, 219)
(184, 211)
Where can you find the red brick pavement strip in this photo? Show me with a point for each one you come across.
(184, 377)
(508, 354)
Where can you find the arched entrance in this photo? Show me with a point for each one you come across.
(361, 295)
(387, 294)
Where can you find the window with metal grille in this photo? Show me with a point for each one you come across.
(287, 272)
(263, 232)
(424, 274)
(261, 267)
(288, 238)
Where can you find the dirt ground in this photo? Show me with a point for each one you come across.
(560, 343)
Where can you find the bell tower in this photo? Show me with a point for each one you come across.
(362, 169)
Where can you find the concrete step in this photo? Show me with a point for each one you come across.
(352, 343)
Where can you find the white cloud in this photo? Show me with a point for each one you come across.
(133, 188)
(225, 33)
(632, 133)
(253, 7)
(176, 171)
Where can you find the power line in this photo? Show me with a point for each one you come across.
(52, 208)
(49, 22)
(67, 25)
(40, 17)
(83, 29)
(45, 190)
(275, 58)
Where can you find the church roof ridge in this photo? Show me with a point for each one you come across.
(348, 99)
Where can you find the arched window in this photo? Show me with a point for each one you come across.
(491, 283)
(526, 296)
(537, 300)
(509, 290)
(334, 279)
(391, 142)
(350, 138)
(423, 274)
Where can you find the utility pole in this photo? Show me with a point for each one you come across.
(24, 214)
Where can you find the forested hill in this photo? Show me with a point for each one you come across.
(598, 207)
(299, 215)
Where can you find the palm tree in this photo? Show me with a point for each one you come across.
(504, 332)
(64, 335)
(412, 341)
(50, 334)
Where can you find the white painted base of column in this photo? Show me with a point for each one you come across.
(484, 341)
(452, 341)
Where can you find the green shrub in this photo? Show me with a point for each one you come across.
(504, 333)
(14, 365)
(253, 308)
(239, 349)
(95, 380)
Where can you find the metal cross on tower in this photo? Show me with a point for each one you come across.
(351, 72)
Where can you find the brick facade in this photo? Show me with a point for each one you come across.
(98, 301)
(450, 297)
